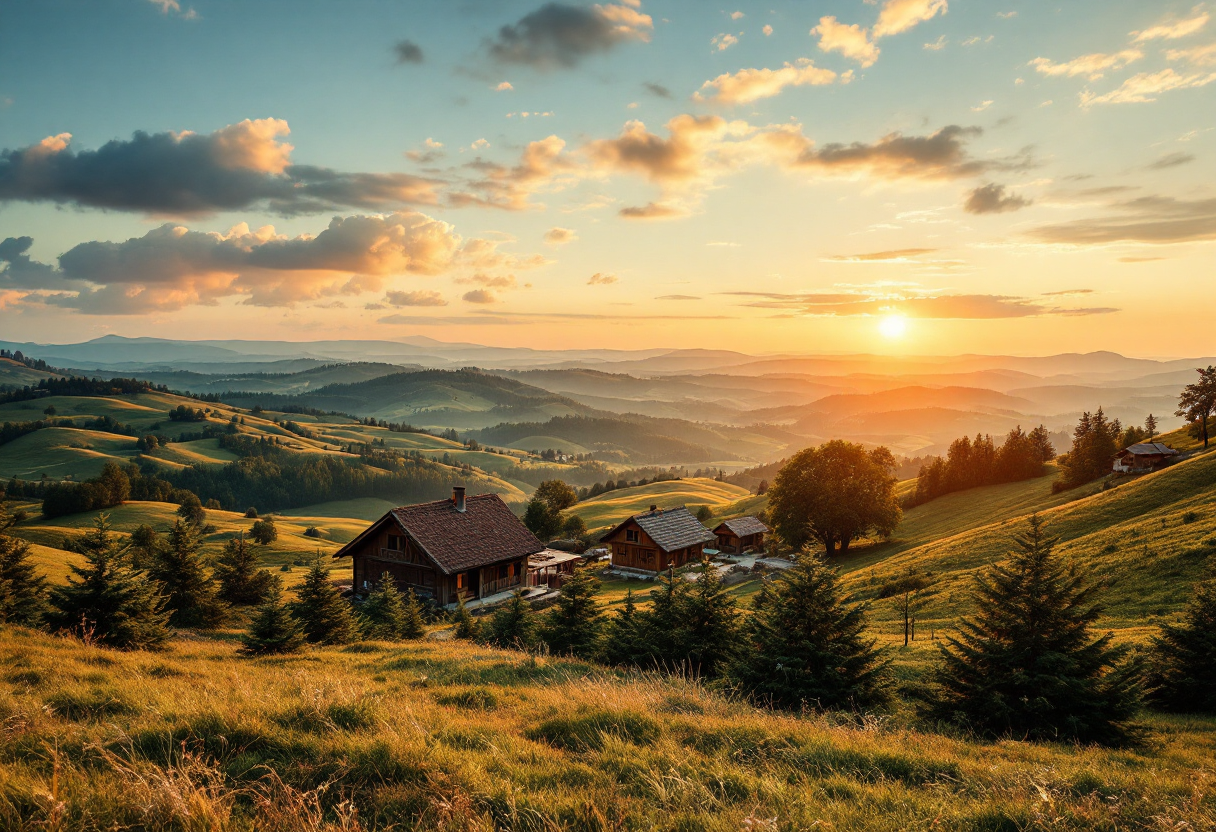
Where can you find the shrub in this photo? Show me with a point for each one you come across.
(264, 531)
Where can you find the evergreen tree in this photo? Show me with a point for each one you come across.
(624, 642)
(106, 600)
(191, 591)
(513, 624)
(804, 646)
(241, 578)
(145, 543)
(273, 630)
(708, 626)
(1026, 665)
(414, 624)
(1183, 678)
(383, 614)
(467, 627)
(658, 625)
(575, 624)
(323, 613)
(22, 589)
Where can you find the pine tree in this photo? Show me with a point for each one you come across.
(273, 630)
(1183, 677)
(191, 591)
(467, 626)
(708, 624)
(324, 615)
(22, 589)
(108, 601)
(241, 579)
(383, 614)
(513, 624)
(658, 626)
(414, 624)
(575, 624)
(805, 647)
(624, 642)
(1026, 665)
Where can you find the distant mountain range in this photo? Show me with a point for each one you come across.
(673, 405)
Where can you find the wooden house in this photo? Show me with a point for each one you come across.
(1142, 457)
(741, 534)
(469, 547)
(552, 567)
(657, 540)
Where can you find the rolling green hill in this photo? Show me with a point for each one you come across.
(606, 510)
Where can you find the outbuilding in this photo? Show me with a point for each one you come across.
(1142, 457)
(658, 539)
(741, 534)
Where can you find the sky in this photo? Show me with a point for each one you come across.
(838, 176)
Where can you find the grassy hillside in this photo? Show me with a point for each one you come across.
(609, 509)
(14, 374)
(447, 736)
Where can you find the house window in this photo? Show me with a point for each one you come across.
(396, 543)
(460, 580)
(631, 536)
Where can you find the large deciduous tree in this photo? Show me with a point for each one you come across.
(834, 494)
(543, 515)
(1198, 400)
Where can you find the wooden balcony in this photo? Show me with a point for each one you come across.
(500, 585)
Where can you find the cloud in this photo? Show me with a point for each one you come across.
(1199, 56)
(419, 297)
(1172, 160)
(852, 41)
(937, 45)
(21, 272)
(899, 255)
(992, 199)
(490, 281)
(500, 186)
(601, 279)
(559, 36)
(983, 105)
(167, 6)
(913, 304)
(901, 15)
(940, 155)
(657, 89)
(737, 15)
(1093, 66)
(240, 166)
(1174, 29)
(560, 236)
(479, 296)
(172, 267)
(749, 85)
(768, 30)
(723, 41)
(504, 86)
(1148, 219)
(1147, 86)
(678, 297)
(407, 52)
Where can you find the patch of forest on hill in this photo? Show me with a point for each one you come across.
(639, 439)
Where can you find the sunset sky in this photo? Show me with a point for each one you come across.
(911, 176)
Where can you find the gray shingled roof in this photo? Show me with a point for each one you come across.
(673, 528)
(743, 526)
(1145, 448)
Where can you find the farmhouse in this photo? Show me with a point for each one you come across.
(658, 539)
(1143, 457)
(741, 534)
(463, 547)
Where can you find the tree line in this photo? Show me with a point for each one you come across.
(974, 462)
(81, 386)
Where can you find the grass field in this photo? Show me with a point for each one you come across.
(448, 736)
(609, 509)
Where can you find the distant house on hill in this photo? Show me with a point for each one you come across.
(468, 547)
(741, 534)
(660, 538)
(1143, 457)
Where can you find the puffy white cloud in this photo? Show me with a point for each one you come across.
(601, 279)
(1146, 86)
(749, 85)
(560, 236)
(901, 15)
(1175, 29)
(852, 41)
(723, 41)
(418, 297)
(1093, 66)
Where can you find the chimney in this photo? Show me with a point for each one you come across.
(654, 508)
(458, 497)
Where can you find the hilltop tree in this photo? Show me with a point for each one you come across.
(384, 615)
(543, 515)
(324, 615)
(191, 592)
(22, 589)
(1197, 401)
(1150, 426)
(114, 482)
(834, 494)
(804, 646)
(575, 623)
(240, 576)
(1026, 665)
(1095, 441)
(1183, 678)
(191, 510)
(273, 629)
(264, 531)
(106, 600)
(513, 624)
(573, 527)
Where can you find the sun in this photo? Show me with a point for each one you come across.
(893, 326)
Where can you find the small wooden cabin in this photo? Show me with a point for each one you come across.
(1142, 457)
(552, 567)
(741, 534)
(658, 539)
(469, 547)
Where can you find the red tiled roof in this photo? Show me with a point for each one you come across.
(485, 532)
